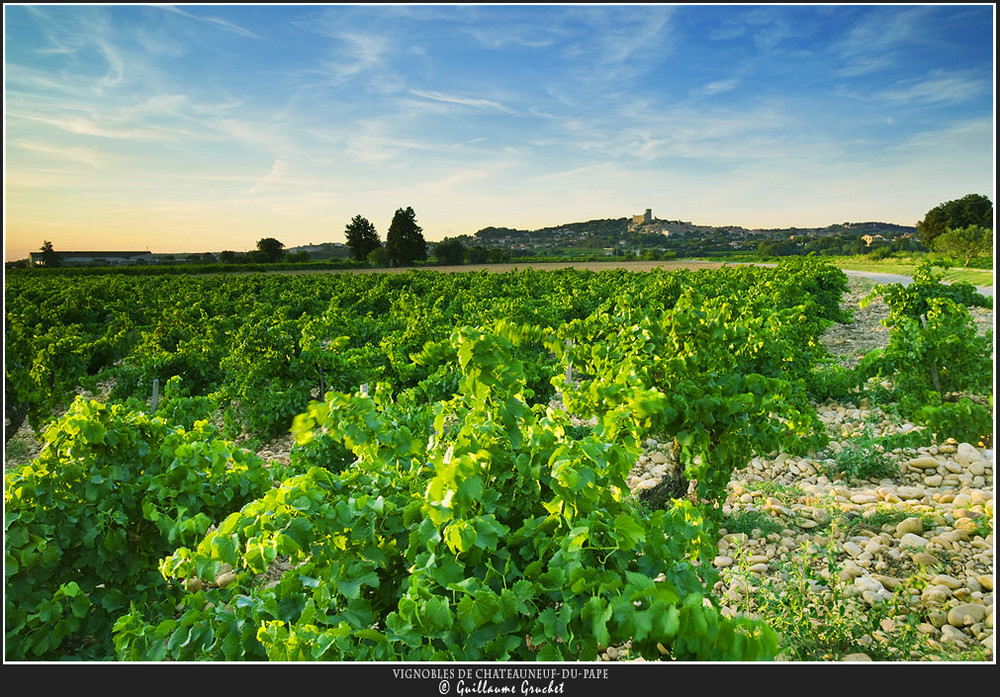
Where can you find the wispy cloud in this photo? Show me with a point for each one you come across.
(359, 54)
(298, 117)
(82, 125)
(939, 86)
(473, 102)
(716, 87)
(77, 153)
(878, 39)
(215, 21)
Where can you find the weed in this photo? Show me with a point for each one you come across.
(747, 522)
(984, 526)
(864, 457)
(777, 489)
(881, 516)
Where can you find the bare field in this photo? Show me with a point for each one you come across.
(671, 265)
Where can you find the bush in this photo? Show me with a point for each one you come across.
(86, 523)
(935, 358)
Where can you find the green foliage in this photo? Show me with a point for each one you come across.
(361, 237)
(449, 512)
(85, 523)
(964, 420)
(450, 252)
(935, 358)
(462, 529)
(965, 242)
(972, 209)
(404, 243)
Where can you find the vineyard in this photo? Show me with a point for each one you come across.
(461, 484)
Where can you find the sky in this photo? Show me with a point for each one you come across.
(193, 128)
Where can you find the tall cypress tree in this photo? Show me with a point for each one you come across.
(362, 237)
(404, 243)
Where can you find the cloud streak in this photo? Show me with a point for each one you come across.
(223, 24)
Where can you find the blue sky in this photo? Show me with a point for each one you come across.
(206, 127)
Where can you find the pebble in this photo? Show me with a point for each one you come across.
(911, 540)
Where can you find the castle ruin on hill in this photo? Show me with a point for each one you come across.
(643, 219)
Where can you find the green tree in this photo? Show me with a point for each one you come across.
(972, 209)
(404, 243)
(362, 237)
(965, 242)
(496, 255)
(378, 257)
(270, 250)
(449, 252)
(477, 254)
(49, 256)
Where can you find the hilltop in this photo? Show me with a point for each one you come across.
(640, 234)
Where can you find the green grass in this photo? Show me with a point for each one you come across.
(747, 522)
(882, 517)
(776, 489)
(973, 276)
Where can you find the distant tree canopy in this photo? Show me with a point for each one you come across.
(362, 237)
(269, 250)
(449, 252)
(965, 242)
(972, 209)
(378, 257)
(477, 254)
(49, 255)
(404, 243)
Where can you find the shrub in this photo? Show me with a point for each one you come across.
(111, 492)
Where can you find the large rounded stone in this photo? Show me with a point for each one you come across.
(911, 540)
(964, 615)
(912, 525)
